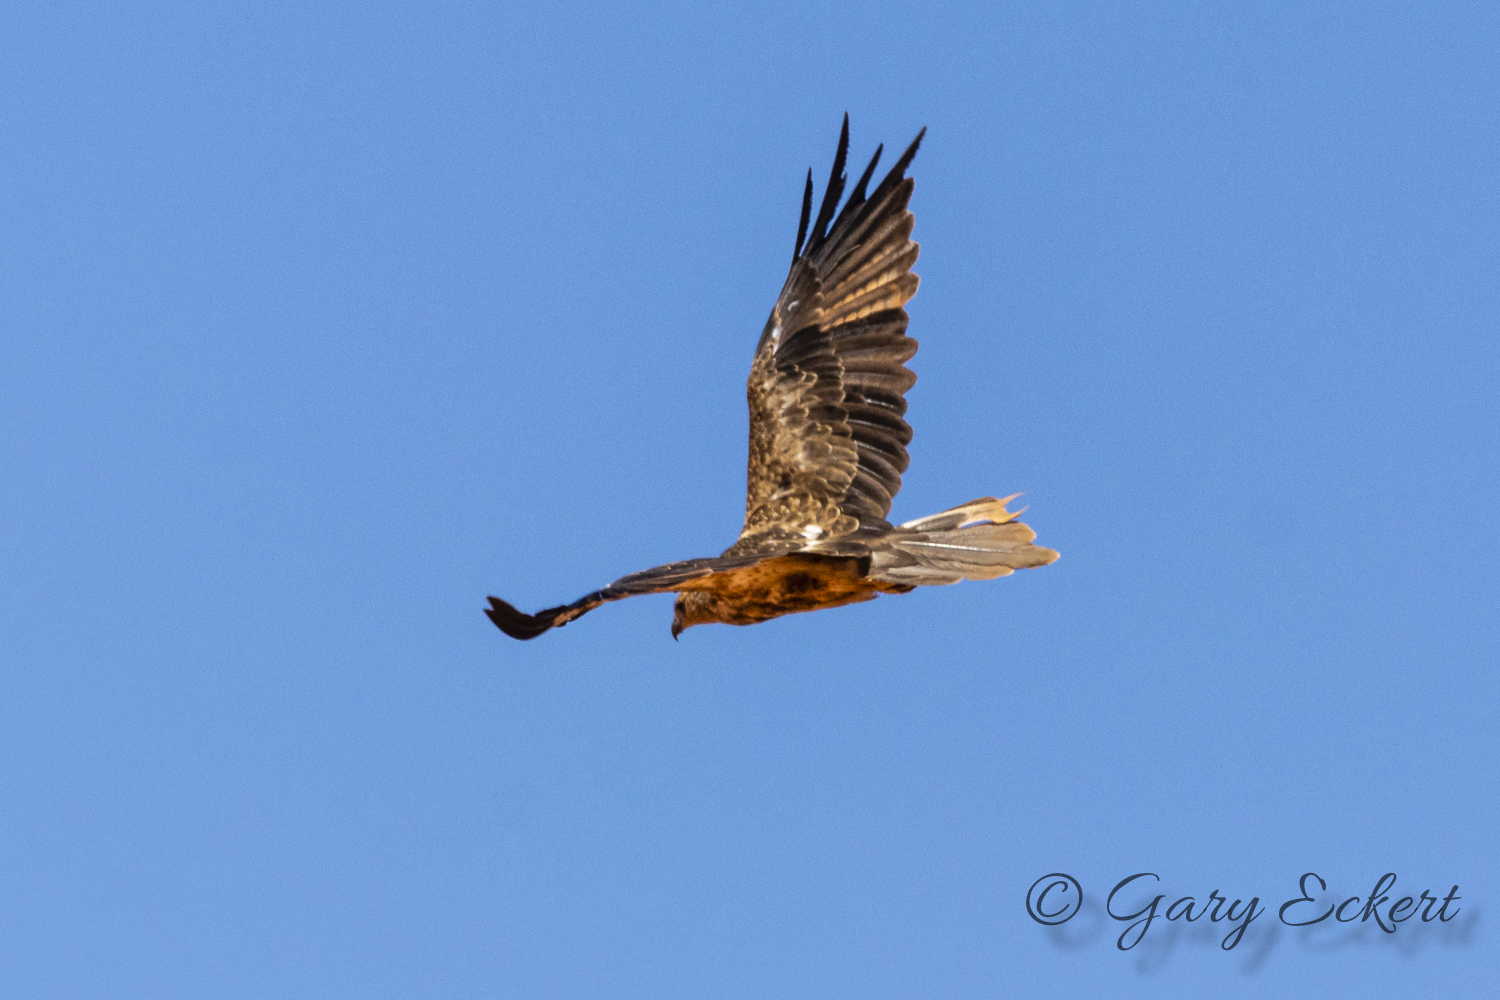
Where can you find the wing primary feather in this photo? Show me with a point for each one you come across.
(857, 197)
(835, 190)
(807, 194)
(864, 179)
(519, 625)
(899, 170)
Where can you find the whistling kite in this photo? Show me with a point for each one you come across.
(828, 442)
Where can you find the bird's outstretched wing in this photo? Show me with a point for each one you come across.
(690, 574)
(828, 434)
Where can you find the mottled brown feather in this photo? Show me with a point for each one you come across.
(826, 389)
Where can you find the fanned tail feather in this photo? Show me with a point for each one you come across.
(965, 514)
(979, 540)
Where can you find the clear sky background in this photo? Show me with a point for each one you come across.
(323, 322)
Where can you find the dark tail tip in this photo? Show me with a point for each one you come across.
(513, 623)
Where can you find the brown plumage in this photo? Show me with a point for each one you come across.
(828, 439)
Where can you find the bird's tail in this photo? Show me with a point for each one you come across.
(979, 540)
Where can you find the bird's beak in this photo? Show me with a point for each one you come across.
(676, 629)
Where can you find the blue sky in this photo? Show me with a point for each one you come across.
(323, 322)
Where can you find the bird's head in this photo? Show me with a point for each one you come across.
(693, 607)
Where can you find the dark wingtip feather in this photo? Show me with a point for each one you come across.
(835, 189)
(513, 623)
(899, 170)
(857, 196)
(864, 178)
(806, 215)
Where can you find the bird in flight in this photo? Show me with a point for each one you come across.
(828, 441)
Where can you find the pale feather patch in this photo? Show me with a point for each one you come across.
(974, 512)
(991, 510)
